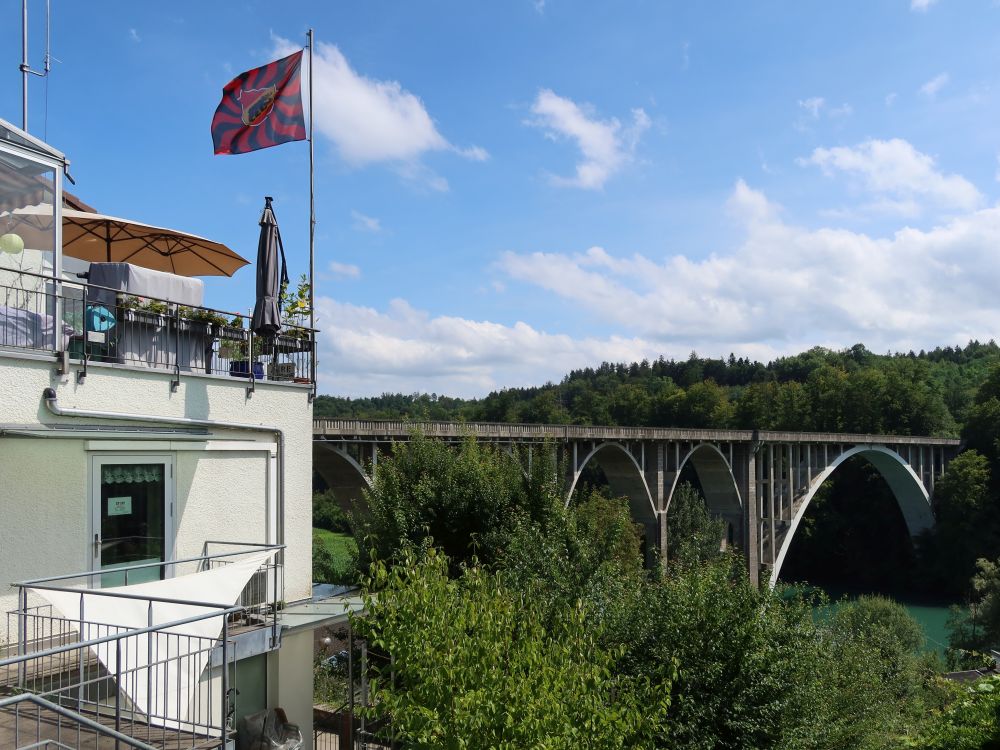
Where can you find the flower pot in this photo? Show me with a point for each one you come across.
(240, 368)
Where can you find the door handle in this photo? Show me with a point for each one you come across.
(97, 545)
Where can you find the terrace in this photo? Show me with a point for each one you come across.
(100, 324)
(85, 288)
(131, 667)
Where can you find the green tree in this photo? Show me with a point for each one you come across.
(693, 534)
(475, 664)
(973, 630)
(468, 498)
(757, 407)
(792, 407)
(966, 520)
(705, 404)
(864, 401)
(826, 386)
(571, 554)
(886, 620)
(327, 513)
(739, 650)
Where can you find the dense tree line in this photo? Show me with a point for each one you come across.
(853, 390)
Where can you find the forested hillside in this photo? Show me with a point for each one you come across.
(854, 390)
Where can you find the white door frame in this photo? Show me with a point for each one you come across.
(169, 500)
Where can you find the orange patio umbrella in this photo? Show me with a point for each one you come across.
(99, 238)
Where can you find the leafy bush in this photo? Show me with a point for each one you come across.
(329, 567)
(327, 513)
(884, 622)
(572, 554)
(478, 665)
(971, 723)
(693, 533)
(467, 498)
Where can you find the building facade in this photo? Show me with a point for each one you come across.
(143, 438)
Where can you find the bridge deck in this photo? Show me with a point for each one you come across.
(380, 429)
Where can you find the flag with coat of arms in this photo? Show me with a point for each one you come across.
(261, 108)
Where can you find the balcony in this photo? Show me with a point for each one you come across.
(158, 672)
(99, 324)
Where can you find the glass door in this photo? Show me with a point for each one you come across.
(133, 510)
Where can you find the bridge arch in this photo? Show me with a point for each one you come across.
(625, 478)
(718, 484)
(909, 491)
(341, 472)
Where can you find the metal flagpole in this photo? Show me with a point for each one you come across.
(312, 227)
(24, 65)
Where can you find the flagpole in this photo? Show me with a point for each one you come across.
(312, 226)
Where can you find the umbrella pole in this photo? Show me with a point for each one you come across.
(312, 232)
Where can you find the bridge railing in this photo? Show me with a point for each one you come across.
(401, 429)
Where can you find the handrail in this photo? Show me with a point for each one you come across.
(130, 633)
(73, 716)
(33, 582)
(89, 285)
(191, 345)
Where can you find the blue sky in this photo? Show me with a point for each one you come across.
(506, 191)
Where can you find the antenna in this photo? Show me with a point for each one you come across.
(24, 67)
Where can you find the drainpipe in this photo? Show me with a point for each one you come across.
(52, 403)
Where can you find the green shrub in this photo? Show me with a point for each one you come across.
(327, 513)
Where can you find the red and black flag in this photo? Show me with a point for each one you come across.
(261, 108)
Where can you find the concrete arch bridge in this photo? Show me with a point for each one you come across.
(760, 482)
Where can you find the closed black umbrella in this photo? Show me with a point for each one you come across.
(266, 314)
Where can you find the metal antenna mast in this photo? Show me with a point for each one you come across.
(24, 67)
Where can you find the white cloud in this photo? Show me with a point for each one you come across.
(765, 167)
(364, 351)
(344, 270)
(606, 146)
(781, 288)
(921, 5)
(890, 98)
(785, 288)
(902, 178)
(813, 105)
(366, 223)
(844, 110)
(370, 120)
(934, 85)
(816, 108)
(685, 55)
(134, 35)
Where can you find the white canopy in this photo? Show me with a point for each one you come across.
(162, 673)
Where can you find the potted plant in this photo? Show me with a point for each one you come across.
(142, 310)
(211, 321)
(236, 348)
(294, 306)
(295, 311)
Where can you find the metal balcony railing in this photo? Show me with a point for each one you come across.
(41, 314)
(168, 684)
(28, 722)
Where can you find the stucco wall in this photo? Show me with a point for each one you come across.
(44, 521)
(290, 681)
(44, 492)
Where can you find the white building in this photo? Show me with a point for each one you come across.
(129, 439)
